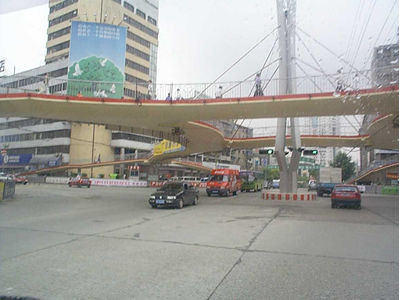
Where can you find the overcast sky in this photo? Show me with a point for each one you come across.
(199, 40)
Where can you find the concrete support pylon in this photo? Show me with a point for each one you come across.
(286, 11)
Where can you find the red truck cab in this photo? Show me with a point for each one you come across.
(223, 182)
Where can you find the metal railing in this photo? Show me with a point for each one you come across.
(228, 89)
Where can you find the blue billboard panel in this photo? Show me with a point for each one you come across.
(21, 159)
(96, 60)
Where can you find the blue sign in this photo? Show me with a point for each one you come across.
(21, 159)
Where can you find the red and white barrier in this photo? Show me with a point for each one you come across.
(289, 196)
(194, 183)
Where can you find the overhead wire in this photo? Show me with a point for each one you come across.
(353, 29)
(237, 61)
(363, 33)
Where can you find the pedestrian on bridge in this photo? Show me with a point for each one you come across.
(259, 91)
(218, 93)
(178, 94)
(150, 89)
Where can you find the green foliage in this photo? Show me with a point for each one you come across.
(314, 173)
(96, 74)
(342, 160)
(270, 174)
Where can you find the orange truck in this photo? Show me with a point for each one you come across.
(224, 182)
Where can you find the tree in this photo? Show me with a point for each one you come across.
(314, 173)
(270, 174)
(342, 160)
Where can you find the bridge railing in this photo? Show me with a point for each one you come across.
(226, 89)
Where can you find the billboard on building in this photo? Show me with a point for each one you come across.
(166, 146)
(96, 60)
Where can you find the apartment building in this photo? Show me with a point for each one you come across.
(48, 142)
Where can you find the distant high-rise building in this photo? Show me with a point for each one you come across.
(385, 65)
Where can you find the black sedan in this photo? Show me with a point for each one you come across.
(174, 194)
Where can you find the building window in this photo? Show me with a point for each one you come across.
(61, 5)
(140, 26)
(137, 52)
(136, 66)
(63, 18)
(138, 39)
(152, 21)
(58, 47)
(133, 79)
(129, 7)
(59, 33)
(58, 73)
(141, 14)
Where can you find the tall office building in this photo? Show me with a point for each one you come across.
(48, 143)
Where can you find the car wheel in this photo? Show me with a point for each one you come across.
(196, 200)
(180, 203)
(88, 186)
(69, 184)
(234, 193)
(153, 206)
(208, 194)
(333, 205)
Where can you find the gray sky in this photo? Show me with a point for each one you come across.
(200, 39)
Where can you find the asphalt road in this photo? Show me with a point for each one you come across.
(107, 243)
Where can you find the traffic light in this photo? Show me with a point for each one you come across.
(310, 152)
(266, 151)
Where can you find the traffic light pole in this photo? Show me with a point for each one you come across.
(286, 23)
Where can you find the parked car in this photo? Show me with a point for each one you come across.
(346, 195)
(276, 183)
(312, 185)
(174, 194)
(325, 188)
(20, 180)
(79, 182)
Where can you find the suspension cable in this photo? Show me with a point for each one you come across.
(315, 60)
(363, 33)
(334, 54)
(308, 77)
(265, 62)
(243, 56)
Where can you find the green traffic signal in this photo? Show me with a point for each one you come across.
(266, 151)
(310, 152)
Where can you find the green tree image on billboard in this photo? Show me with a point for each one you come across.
(97, 60)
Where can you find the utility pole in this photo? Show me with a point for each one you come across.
(286, 11)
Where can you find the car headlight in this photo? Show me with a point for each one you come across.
(171, 197)
(152, 197)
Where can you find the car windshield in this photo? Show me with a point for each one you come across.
(171, 186)
(346, 189)
(223, 178)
